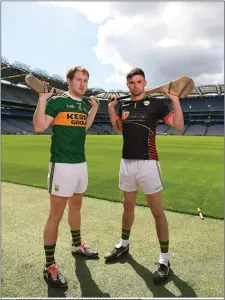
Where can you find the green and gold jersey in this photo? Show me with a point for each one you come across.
(68, 128)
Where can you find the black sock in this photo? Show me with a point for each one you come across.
(49, 254)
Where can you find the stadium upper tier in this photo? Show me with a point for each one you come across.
(18, 95)
(15, 74)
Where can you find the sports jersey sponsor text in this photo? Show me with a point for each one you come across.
(70, 119)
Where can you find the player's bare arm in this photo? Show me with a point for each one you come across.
(93, 112)
(40, 119)
(116, 123)
(177, 120)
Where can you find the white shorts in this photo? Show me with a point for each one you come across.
(66, 179)
(140, 174)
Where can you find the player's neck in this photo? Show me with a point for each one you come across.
(137, 98)
(74, 95)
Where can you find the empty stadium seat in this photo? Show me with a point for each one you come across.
(161, 128)
(216, 130)
(11, 92)
(198, 111)
(173, 131)
(196, 130)
(10, 128)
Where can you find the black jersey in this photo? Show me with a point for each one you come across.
(139, 119)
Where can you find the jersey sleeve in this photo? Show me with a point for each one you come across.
(51, 108)
(165, 111)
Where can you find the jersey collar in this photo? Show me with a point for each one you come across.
(144, 98)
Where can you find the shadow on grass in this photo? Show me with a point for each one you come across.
(87, 285)
(158, 290)
(56, 292)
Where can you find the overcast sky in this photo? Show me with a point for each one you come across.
(166, 39)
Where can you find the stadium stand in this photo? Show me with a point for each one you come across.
(10, 128)
(196, 130)
(11, 92)
(216, 130)
(161, 128)
(203, 109)
(173, 131)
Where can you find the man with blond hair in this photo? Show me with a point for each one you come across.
(68, 174)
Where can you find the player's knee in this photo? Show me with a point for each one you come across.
(75, 205)
(128, 206)
(158, 213)
(56, 215)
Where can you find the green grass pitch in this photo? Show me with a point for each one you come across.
(196, 251)
(192, 169)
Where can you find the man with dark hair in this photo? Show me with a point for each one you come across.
(135, 71)
(68, 174)
(139, 168)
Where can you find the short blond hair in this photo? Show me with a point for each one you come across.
(71, 72)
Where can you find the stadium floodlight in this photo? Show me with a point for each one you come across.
(21, 66)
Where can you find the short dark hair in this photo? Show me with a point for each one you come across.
(135, 71)
(71, 72)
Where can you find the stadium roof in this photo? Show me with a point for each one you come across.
(15, 74)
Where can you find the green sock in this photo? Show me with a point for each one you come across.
(76, 239)
(164, 246)
(125, 234)
(49, 254)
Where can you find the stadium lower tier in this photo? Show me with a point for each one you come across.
(11, 125)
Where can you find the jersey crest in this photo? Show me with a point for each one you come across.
(125, 115)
